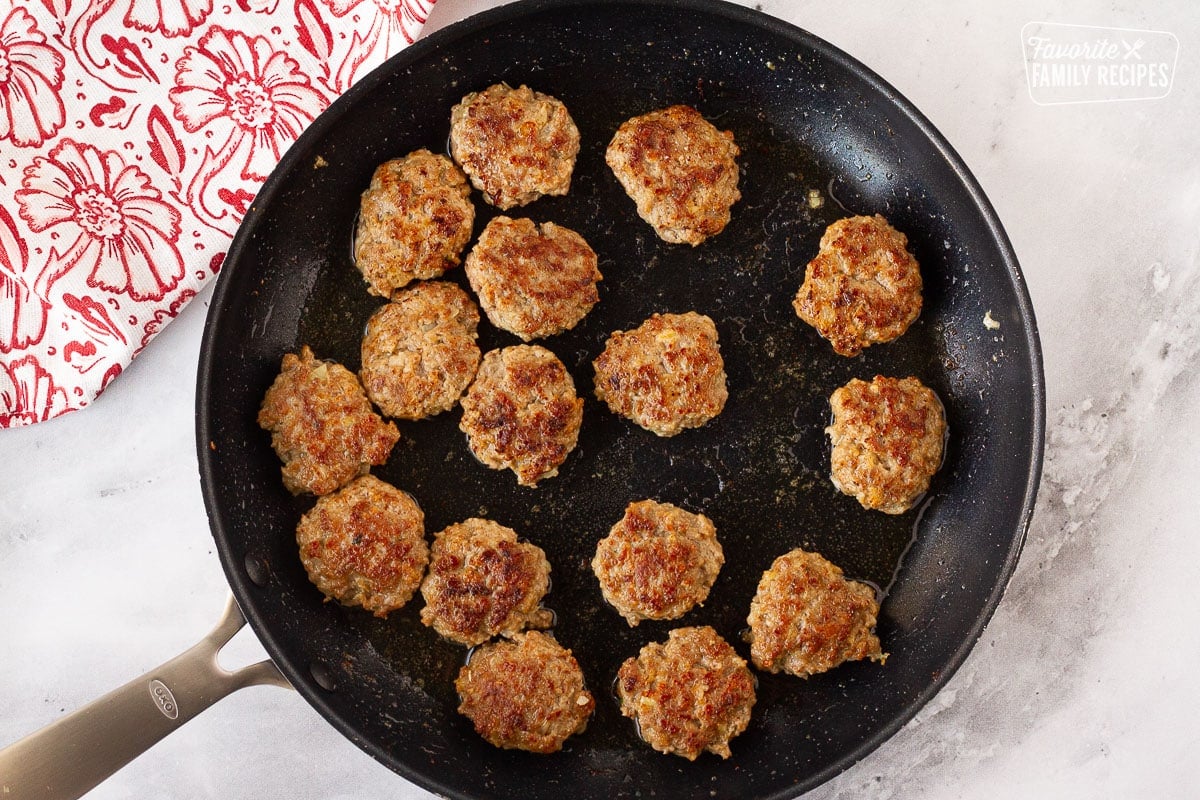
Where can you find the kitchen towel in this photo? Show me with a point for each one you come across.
(133, 137)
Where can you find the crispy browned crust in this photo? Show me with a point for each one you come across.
(525, 694)
(665, 375)
(364, 545)
(680, 170)
(887, 438)
(521, 412)
(415, 220)
(863, 287)
(322, 425)
(515, 144)
(482, 583)
(807, 618)
(533, 281)
(658, 562)
(419, 352)
(691, 694)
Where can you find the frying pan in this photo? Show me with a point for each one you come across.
(821, 137)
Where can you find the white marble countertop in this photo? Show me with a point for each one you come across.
(1082, 685)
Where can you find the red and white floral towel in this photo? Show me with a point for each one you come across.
(133, 136)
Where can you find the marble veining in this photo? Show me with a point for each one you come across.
(1081, 686)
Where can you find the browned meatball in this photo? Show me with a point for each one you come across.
(807, 618)
(521, 412)
(533, 281)
(887, 440)
(322, 425)
(863, 287)
(516, 144)
(482, 583)
(364, 545)
(525, 694)
(419, 352)
(658, 562)
(680, 170)
(415, 220)
(691, 694)
(666, 375)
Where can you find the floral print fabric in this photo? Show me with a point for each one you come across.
(133, 137)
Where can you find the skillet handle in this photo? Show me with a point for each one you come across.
(71, 756)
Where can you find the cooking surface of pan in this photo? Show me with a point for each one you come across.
(806, 117)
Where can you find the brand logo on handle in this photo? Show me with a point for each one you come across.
(164, 699)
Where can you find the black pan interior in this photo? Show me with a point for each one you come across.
(806, 117)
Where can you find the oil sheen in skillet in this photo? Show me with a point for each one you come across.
(759, 471)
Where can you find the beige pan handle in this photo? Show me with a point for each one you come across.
(70, 757)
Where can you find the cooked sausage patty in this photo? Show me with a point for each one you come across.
(680, 170)
(658, 562)
(322, 425)
(364, 545)
(691, 694)
(807, 618)
(887, 440)
(521, 412)
(419, 352)
(863, 287)
(666, 375)
(525, 694)
(415, 220)
(533, 281)
(482, 583)
(515, 144)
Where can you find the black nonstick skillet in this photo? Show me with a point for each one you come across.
(821, 137)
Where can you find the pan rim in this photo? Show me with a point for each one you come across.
(473, 26)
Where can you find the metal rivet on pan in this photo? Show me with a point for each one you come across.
(322, 676)
(257, 569)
